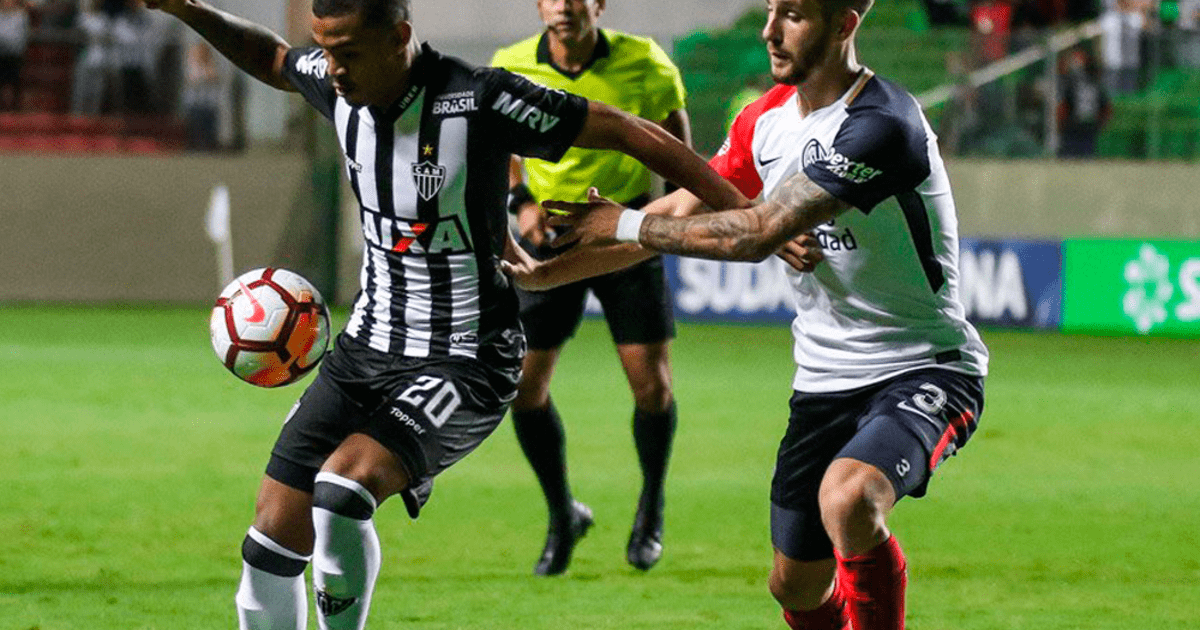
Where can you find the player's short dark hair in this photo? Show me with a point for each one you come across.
(374, 12)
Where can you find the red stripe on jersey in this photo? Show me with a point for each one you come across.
(404, 242)
(735, 160)
(961, 423)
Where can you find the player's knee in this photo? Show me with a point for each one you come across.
(369, 464)
(854, 506)
(531, 395)
(284, 515)
(796, 589)
(653, 395)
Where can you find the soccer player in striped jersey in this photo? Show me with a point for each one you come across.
(431, 356)
(889, 374)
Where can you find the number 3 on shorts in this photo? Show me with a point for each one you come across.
(437, 397)
(930, 402)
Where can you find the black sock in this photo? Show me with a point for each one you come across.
(540, 433)
(653, 434)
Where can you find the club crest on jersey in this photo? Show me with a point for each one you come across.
(429, 178)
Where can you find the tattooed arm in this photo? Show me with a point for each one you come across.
(797, 206)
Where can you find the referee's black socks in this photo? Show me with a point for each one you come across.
(653, 434)
(540, 433)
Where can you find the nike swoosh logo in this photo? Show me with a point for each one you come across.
(259, 313)
(763, 163)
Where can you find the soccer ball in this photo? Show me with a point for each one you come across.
(270, 327)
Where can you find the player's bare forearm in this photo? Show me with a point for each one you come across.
(255, 49)
(609, 128)
(581, 263)
(798, 206)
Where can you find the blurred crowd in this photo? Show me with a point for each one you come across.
(110, 58)
(1015, 116)
(114, 58)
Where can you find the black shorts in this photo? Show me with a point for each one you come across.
(636, 302)
(906, 427)
(637, 307)
(430, 412)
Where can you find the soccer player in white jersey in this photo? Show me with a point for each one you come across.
(889, 374)
(430, 358)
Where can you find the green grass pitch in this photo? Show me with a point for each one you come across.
(131, 459)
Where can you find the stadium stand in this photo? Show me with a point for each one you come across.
(718, 65)
(722, 68)
(43, 124)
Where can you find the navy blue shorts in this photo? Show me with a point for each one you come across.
(906, 427)
(429, 412)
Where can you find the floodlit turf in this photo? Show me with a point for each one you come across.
(131, 459)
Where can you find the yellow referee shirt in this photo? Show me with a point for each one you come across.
(628, 72)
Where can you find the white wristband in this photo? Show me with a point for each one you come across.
(630, 225)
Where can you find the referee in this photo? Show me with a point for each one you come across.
(633, 74)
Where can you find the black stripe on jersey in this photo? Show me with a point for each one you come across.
(917, 217)
(385, 146)
(352, 150)
(489, 231)
(353, 122)
(385, 142)
(428, 210)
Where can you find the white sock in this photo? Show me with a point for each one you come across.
(265, 599)
(346, 556)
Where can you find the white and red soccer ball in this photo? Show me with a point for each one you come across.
(270, 327)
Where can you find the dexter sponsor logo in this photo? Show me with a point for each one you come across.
(838, 164)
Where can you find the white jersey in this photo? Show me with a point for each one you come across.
(885, 300)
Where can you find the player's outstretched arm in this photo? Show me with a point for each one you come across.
(803, 253)
(579, 263)
(798, 206)
(607, 127)
(253, 48)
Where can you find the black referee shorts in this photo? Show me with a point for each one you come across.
(636, 303)
(905, 426)
(430, 412)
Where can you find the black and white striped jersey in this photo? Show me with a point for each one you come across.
(431, 177)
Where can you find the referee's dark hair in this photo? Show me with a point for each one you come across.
(373, 11)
